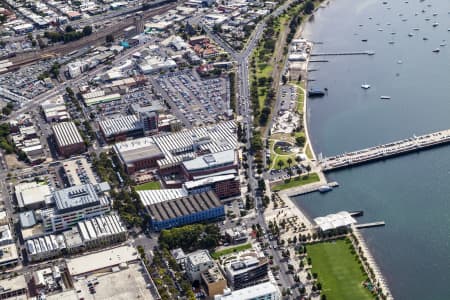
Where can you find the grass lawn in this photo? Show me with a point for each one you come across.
(152, 185)
(297, 181)
(223, 252)
(338, 270)
(308, 151)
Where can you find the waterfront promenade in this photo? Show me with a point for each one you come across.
(378, 278)
(384, 151)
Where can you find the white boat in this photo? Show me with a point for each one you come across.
(370, 52)
(410, 34)
(399, 62)
(427, 19)
(443, 44)
(436, 50)
(385, 97)
(365, 86)
(435, 24)
(416, 29)
(325, 188)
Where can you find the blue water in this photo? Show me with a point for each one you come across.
(411, 193)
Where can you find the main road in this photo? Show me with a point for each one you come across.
(243, 109)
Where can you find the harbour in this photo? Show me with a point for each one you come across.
(408, 193)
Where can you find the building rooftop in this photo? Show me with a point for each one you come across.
(101, 260)
(135, 150)
(75, 197)
(31, 193)
(149, 197)
(111, 127)
(199, 257)
(212, 160)
(207, 180)
(333, 221)
(252, 292)
(184, 206)
(13, 284)
(66, 133)
(45, 244)
(100, 226)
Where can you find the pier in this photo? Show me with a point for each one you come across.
(318, 60)
(310, 188)
(372, 224)
(381, 152)
(368, 52)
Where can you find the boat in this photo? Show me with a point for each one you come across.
(365, 86)
(427, 19)
(370, 52)
(443, 44)
(399, 62)
(416, 29)
(391, 42)
(380, 29)
(435, 14)
(435, 24)
(315, 93)
(325, 188)
(425, 39)
(436, 50)
(364, 40)
(385, 97)
(410, 34)
(393, 33)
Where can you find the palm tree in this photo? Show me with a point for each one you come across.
(289, 161)
(280, 164)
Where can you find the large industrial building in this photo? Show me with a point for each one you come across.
(170, 150)
(172, 211)
(75, 204)
(205, 157)
(88, 234)
(68, 139)
(121, 128)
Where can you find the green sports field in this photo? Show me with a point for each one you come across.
(338, 270)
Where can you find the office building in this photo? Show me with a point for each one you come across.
(68, 139)
(46, 247)
(214, 281)
(245, 271)
(75, 204)
(14, 287)
(196, 263)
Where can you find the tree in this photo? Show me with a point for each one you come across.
(300, 141)
(280, 164)
(87, 30)
(110, 38)
(69, 28)
(289, 161)
(309, 7)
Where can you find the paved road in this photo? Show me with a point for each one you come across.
(245, 112)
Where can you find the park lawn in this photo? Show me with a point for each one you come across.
(338, 270)
(152, 185)
(227, 251)
(283, 158)
(308, 151)
(296, 181)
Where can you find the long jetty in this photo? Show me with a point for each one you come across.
(385, 151)
(368, 52)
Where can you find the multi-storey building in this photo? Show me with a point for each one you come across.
(75, 204)
(68, 139)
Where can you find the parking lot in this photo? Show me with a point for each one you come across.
(194, 101)
(25, 82)
(288, 98)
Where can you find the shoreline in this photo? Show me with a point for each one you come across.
(296, 210)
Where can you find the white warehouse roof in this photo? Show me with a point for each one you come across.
(334, 221)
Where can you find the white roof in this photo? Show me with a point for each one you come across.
(29, 193)
(252, 292)
(334, 221)
(150, 197)
(101, 260)
(66, 133)
(207, 180)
